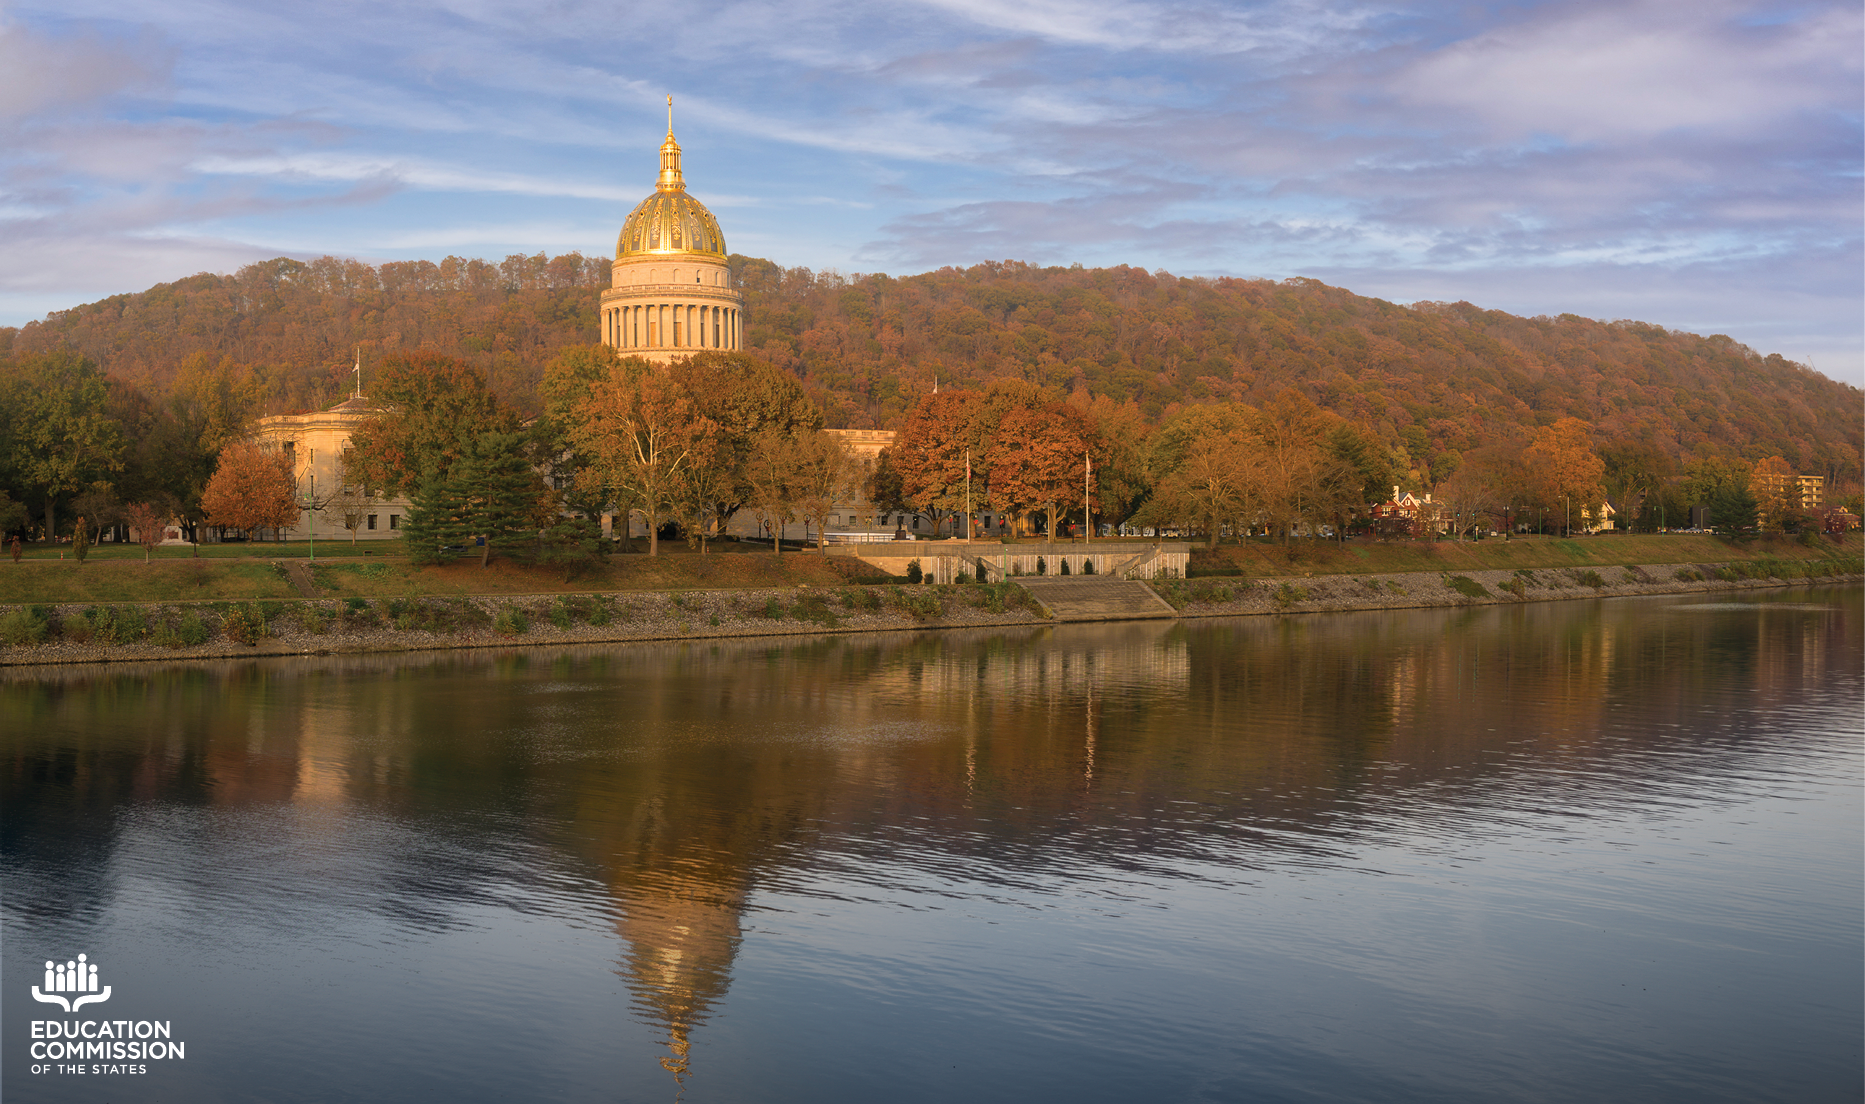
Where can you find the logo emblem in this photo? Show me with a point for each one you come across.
(78, 977)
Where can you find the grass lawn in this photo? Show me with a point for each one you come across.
(263, 550)
(221, 573)
(205, 579)
(250, 571)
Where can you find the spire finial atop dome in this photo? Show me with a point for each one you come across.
(670, 179)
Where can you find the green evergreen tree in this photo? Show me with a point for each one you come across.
(500, 494)
(435, 530)
(1733, 511)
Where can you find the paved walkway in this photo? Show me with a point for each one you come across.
(298, 574)
(1095, 598)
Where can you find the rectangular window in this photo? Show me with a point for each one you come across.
(394, 521)
(372, 521)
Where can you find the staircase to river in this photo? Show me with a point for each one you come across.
(1095, 598)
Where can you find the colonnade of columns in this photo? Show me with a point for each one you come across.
(672, 326)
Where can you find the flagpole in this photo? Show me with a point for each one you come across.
(1087, 518)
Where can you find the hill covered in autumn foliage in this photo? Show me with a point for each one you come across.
(1431, 379)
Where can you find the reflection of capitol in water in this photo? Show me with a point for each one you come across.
(679, 785)
(682, 933)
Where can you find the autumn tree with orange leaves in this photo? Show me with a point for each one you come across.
(1039, 461)
(930, 453)
(1572, 477)
(251, 489)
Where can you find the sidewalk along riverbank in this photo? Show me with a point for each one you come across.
(98, 633)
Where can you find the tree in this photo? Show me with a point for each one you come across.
(100, 507)
(501, 497)
(433, 407)
(1039, 461)
(741, 397)
(709, 477)
(1120, 482)
(930, 452)
(436, 530)
(1571, 475)
(218, 400)
(637, 433)
(824, 473)
(770, 472)
(573, 543)
(1365, 466)
(1468, 499)
(350, 502)
(1218, 480)
(493, 494)
(12, 514)
(884, 489)
(1300, 482)
(565, 389)
(251, 489)
(147, 521)
(1723, 486)
(1772, 485)
(1633, 472)
(61, 430)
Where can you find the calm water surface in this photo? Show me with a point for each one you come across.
(1584, 851)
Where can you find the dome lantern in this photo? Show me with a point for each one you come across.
(671, 291)
(670, 222)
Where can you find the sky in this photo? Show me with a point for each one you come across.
(1691, 163)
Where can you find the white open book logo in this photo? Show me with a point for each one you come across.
(77, 978)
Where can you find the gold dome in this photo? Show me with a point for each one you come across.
(670, 222)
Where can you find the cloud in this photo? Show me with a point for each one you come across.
(1622, 71)
(407, 172)
(1495, 146)
(42, 75)
(1282, 29)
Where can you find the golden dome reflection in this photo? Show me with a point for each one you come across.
(670, 222)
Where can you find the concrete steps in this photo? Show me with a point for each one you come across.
(1095, 598)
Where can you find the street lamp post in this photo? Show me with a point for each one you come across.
(311, 505)
(967, 496)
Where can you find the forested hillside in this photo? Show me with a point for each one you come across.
(1431, 380)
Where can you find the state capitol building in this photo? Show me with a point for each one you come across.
(671, 292)
(670, 295)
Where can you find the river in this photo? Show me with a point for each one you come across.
(1579, 851)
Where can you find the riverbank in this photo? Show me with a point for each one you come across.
(284, 572)
(94, 633)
